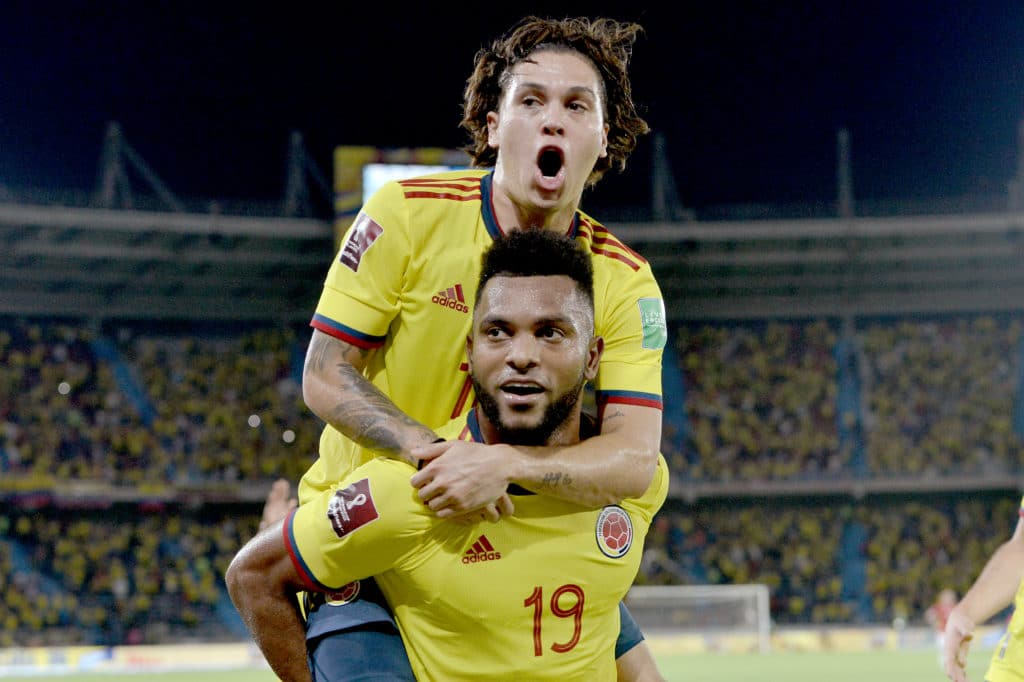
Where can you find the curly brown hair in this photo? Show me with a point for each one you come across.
(607, 43)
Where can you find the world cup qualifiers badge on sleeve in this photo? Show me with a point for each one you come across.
(652, 321)
(361, 236)
(352, 508)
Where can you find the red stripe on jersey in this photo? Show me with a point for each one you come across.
(466, 433)
(486, 543)
(473, 181)
(602, 236)
(633, 400)
(442, 195)
(460, 403)
(347, 338)
(612, 254)
(458, 291)
(599, 234)
(300, 567)
(474, 187)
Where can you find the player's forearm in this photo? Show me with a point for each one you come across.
(334, 388)
(601, 470)
(360, 411)
(638, 665)
(996, 586)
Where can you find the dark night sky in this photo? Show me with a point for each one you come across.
(748, 95)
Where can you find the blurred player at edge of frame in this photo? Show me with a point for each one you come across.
(937, 614)
(531, 350)
(997, 586)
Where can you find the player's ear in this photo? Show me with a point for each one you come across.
(594, 352)
(469, 353)
(604, 142)
(492, 129)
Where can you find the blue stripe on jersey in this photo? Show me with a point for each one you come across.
(629, 398)
(487, 206)
(338, 330)
(474, 426)
(574, 229)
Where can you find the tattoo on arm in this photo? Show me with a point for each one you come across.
(609, 416)
(554, 479)
(363, 412)
(321, 347)
(372, 419)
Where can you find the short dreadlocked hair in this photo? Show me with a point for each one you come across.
(606, 43)
(537, 253)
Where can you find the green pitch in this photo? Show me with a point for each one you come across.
(877, 666)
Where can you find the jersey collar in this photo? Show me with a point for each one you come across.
(491, 220)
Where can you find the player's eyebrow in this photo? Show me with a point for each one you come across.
(574, 90)
(561, 321)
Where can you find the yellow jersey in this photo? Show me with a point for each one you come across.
(404, 281)
(532, 597)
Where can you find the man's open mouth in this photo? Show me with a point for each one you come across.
(550, 162)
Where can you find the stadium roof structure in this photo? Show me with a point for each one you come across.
(928, 264)
(118, 255)
(88, 262)
(934, 257)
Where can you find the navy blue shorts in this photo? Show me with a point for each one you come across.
(629, 632)
(355, 641)
(358, 641)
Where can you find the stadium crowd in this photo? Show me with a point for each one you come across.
(940, 396)
(228, 408)
(761, 404)
(916, 549)
(62, 412)
(224, 408)
(793, 550)
(132, 574)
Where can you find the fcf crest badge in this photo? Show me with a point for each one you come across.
(344, 595)
(614, 531)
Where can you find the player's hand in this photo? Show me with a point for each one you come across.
(956, 642)
(492, 512)
(279, 503)
(461, 478)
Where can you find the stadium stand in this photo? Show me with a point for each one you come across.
(844, 406)
(762, 409)
(760, 401)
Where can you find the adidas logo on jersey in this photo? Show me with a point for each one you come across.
(451, 298)
(482, 550)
